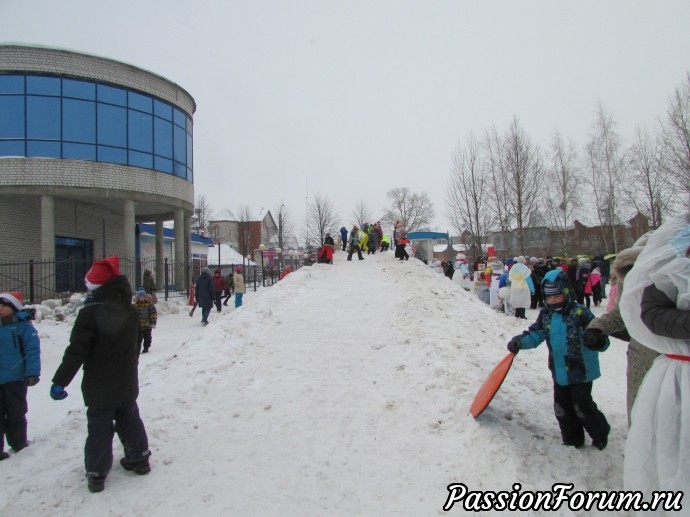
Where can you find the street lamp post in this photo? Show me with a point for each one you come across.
(262, 248)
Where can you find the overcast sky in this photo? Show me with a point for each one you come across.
(350, 99)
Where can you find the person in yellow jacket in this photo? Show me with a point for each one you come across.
(364, 239)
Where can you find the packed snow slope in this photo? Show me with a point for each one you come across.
(342, 390)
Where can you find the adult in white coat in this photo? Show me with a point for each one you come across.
(520, 291)
(656, 309)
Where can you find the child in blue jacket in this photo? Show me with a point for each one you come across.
(20, 367)
(573, 364)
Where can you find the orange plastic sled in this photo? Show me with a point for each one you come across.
(491, 385)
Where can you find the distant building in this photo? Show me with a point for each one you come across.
(577, 240)
(244, 236)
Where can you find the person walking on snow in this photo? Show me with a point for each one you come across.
(147, 318)
(20, 367)
(205, 294)
(218, 287)
(104, 340)
(239, 286)
(573, 366)
(354, 244)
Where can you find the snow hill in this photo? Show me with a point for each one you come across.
(342, 390)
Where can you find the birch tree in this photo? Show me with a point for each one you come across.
(676, 130)
(605, 164)
(467, 201)
(650, 189)
(563, 195)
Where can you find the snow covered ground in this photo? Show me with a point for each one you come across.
(342, 390)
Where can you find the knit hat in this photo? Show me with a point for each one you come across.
(141, 292)
(102, 272)
(551, 289)
(238, 269)
(10, 301)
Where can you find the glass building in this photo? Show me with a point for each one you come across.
(89, 148)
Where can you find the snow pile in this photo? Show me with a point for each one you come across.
(343, 390)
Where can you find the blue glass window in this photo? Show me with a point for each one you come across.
(140, 102)
(73, 118)
(162, 144)
(42, 149)
(11, 147)
(78, 121)
(112, 95)
(143, 160)
(11, 84)
(162, 110)
(179, 118)
(112, 126)
(180, 136)
(12, 116)
(162, 164)
(78, 89)
(43, 117)
(39, 85)
(112, 155)
(79, 151)
(190, 149)
(140, 131)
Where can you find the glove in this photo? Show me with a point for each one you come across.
(514, 346)
(57, 392)
(594, 339)
(31, 380)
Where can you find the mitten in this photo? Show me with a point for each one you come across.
(31, 380)
(57, 392)
(514, 346)
(594, 339)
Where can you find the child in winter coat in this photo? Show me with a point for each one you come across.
(573, 366)
(239, 286)
(20, 367)
(148, 315)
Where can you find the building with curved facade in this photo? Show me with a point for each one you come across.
(89, 147)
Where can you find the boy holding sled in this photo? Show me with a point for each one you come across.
(573, 366)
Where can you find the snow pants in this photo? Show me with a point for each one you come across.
(13, 409)
(102, 425)
(145, 338)
(238, 299)
(577, 412)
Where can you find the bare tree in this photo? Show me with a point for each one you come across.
(677, 135)
(467, 202)
(498, 181)
(605, 165)
(650, 190)
(563, 194)
(204, 213)
(244, 230)
(322, 219)
(523, 168)
(414, 210)
(286, 227)
(361, 214)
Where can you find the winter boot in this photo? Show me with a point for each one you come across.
(3, 455)
(96, 482)
(140, 466)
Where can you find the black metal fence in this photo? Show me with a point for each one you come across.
(39, 280)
